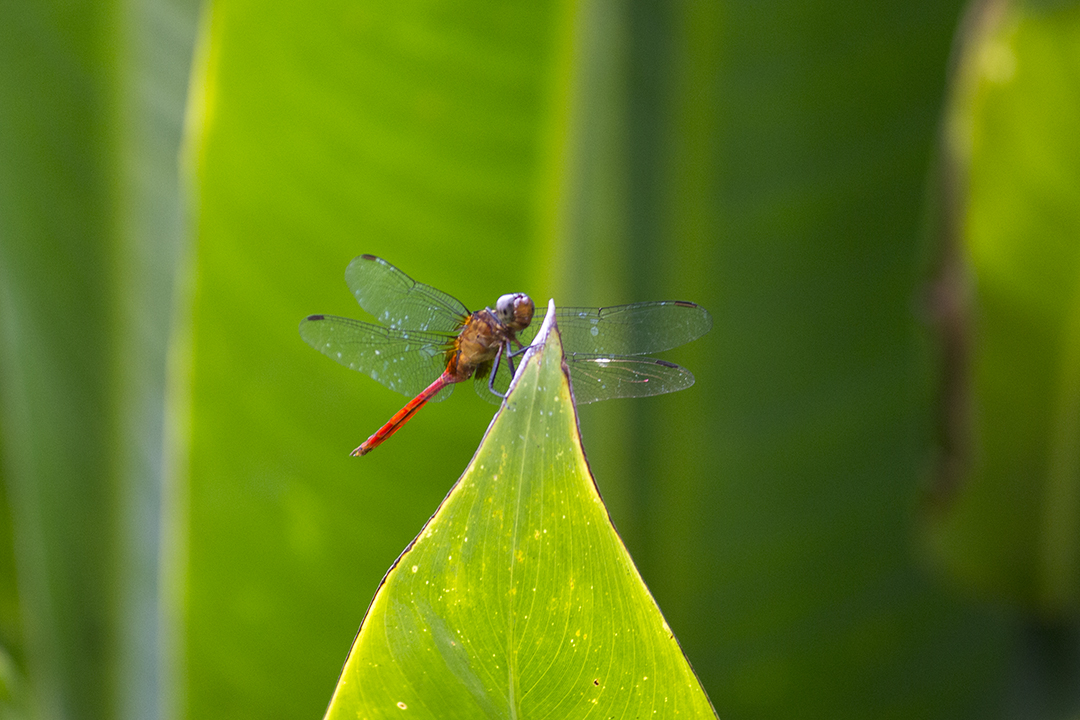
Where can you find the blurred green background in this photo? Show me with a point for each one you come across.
(869, 504)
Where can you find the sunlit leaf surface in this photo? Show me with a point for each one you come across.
(518, 599)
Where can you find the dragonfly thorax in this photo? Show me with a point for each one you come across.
(515, 311)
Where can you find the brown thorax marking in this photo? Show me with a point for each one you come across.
(484, 332)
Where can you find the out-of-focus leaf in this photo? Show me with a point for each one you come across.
(158, 38)
(13, 690)
(408, 130)
(91, 106)
(55, 335)
(518, 599)
(1011, 525)
(770, 161)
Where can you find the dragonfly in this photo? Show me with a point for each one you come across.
(425, 341)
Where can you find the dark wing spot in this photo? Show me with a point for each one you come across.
(665, 363)
(685, 303)
(316, 317)
(369, 257)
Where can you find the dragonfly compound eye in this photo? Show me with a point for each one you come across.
(523, 311)
(515, 310)
(504, 308)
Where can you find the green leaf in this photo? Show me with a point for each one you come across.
(1011, 522)
(518, 598)
(407, 130)
(91, 109)
(772, 166)
(55, 242)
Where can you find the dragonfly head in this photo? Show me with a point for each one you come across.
(515, 311)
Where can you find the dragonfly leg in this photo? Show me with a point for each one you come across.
(495, 370)
(510, 362)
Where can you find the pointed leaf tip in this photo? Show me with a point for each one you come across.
(518, 598)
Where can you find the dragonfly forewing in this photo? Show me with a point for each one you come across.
(397, 301)
(636, 329)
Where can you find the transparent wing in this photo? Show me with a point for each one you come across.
(602, 377)
(605, 377)
(405, 361)
(635, 329)
(398, 301)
